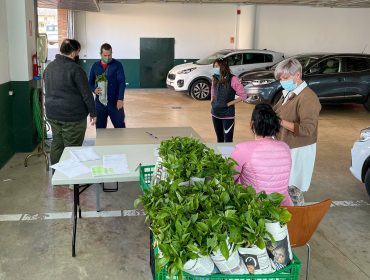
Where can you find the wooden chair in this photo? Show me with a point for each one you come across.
(304, 222)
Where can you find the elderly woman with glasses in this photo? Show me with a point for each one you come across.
(298, 110)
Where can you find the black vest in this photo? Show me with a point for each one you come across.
(223, 94)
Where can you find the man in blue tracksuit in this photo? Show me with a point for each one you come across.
(116, 88)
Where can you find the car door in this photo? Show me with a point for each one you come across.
(235, 62)
(254, 60)
(358, 77)
(326, 79)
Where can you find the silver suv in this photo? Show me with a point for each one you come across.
(195, 78)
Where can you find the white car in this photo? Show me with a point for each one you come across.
(195, 78)
(361, 158)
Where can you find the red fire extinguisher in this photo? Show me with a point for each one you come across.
(35, 67)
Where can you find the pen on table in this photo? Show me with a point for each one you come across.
(152, 135)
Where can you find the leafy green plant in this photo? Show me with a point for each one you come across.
(185, 157)
(188, 221)
(101, 78)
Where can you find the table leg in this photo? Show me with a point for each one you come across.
(78, 202)
(75, 201)
(97, 191)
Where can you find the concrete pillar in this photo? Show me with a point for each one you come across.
(246, 28)
(21, 27)
(21, 38)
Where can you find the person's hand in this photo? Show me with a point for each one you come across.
(119, 104)
(92, 120)
(98, 91)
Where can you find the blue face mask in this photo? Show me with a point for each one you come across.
(215, 71)
(288, 85)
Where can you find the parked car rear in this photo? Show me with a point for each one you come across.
(335, 78)
(360, 163)
(195, 78)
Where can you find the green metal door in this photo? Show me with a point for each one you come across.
(156, 59)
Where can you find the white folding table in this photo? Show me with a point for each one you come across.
(136, 155)
(140, 154)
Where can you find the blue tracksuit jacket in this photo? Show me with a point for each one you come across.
(116, 80)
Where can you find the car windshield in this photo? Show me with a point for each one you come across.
(210, 59)
(305, 60)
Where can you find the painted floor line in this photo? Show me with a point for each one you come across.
(68, 215)
(128, 213)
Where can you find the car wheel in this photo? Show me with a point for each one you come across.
(367, 103)
(367, 181)
(276, 98)
(201, 90)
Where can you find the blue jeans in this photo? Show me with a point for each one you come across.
(116, 116)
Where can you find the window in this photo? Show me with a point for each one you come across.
(269, 58)
(250, 58)
(355, 64)
(235, 59)
(327, 66)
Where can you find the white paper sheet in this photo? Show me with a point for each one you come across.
(84, 154)
(70, 168)
(117, 162)
(225, 150)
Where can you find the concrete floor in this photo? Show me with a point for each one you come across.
(38, 246)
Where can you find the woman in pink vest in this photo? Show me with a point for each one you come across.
(264, 163)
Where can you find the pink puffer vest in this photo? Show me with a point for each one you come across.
(265, 164)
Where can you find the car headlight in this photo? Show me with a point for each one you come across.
(365, 134)
(186, 71)
(258, 82)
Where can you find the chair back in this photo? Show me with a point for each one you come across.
(305, 220)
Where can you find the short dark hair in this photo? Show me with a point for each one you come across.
(106, 47)
(265, 122)
(69, 45)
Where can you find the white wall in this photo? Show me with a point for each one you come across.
(198, 29)
(21, 43)
(4, 48)
(295, 30)
(246, 27)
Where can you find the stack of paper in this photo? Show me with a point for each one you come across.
(112, 164)
(84, 154)
(71, 168)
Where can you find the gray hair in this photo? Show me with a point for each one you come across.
(289, 67)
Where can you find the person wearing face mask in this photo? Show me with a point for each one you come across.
(68, 99)
(265, 162)
(299, 110)
(116, 85)
(224, 87)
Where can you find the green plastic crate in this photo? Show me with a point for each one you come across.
(290, 272)
(146, 173)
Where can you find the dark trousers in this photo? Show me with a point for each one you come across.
(224, 129)
(65, 134)
(116, 116)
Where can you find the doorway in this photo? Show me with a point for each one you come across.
(156, 59)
